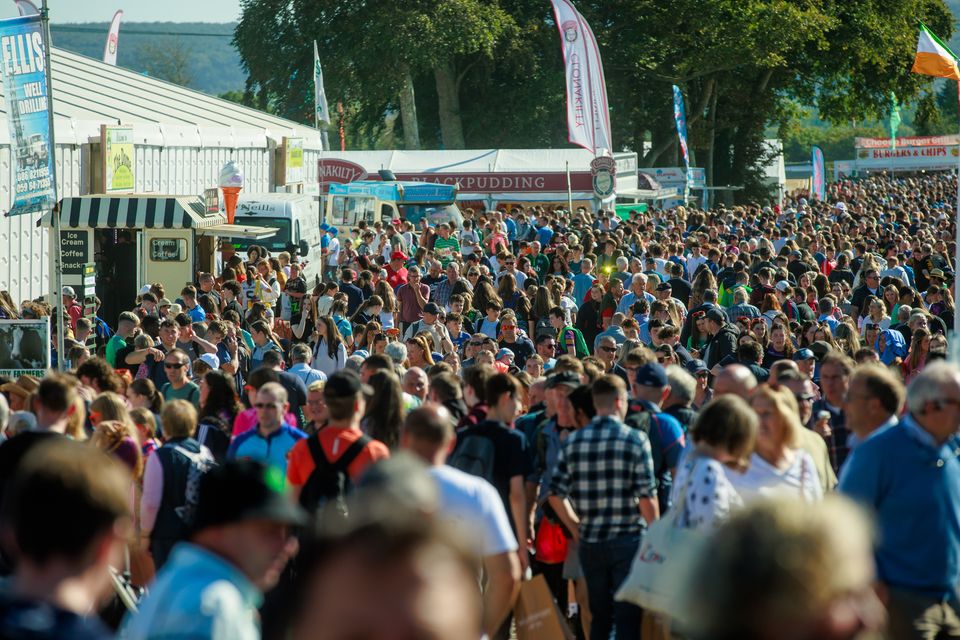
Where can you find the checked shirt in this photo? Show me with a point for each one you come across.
(604, 468)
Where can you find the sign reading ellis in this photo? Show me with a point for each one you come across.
(116, 144)
(25, 96)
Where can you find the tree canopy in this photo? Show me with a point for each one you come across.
(489, 73)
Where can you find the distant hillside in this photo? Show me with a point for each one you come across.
(208, 63)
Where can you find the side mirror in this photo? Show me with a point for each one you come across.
(303, 249)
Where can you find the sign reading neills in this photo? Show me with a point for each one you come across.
(25, 97)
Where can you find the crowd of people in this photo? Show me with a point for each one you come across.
(525, 395)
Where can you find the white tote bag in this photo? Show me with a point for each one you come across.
(663, 563)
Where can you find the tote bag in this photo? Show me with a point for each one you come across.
(663, 562)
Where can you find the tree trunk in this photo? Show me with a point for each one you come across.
(448, 95)
(711, 141)
(408, 113)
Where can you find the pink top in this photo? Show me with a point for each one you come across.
(247, 420)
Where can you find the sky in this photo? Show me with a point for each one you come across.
(135, 10)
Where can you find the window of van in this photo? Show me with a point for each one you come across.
(280, 241)
(349, 211)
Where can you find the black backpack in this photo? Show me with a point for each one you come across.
(329, 483)
(474, 455)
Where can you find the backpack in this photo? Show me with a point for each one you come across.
(200, 463)
(475, 456)
(579, 343)
(329, 483)
(544, 328)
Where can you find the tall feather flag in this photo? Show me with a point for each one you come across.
(27, 8)
(894, 122)
(680, 116)
(113, 40)
(321, 110)
(588, 114)
(818, 186)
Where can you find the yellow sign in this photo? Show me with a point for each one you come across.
(116, 144)
(293, 160)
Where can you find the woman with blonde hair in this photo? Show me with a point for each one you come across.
(111, 406)
(114, 437)
(778, 465)
(703, 280)
(418, 352)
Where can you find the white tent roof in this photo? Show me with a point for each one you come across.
(88, 93)
(473, 160)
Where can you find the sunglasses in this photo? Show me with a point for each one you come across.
(475, 344)
(174, 365)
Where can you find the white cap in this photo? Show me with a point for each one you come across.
(68, 291)
(211, 359)
(783, 285)
(144, 289)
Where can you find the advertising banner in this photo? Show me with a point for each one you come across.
(117, 146)
(914, 141)
(907, 158)
(819, 190)
(292, 160)
(25, 97)
(24, 347)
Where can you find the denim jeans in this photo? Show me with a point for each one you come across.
(605, 566)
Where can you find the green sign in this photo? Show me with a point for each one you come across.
(623, 210)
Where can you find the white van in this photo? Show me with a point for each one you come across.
(296, 215)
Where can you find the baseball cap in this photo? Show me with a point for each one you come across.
(820, 349)
(398, 255)
(803, 354)
(69, 292)
(664, 286)
(325, 227)
(432, 308)
(144, 289)
(344, 384)
(783, 285)
(652, 374)
(567, 378)
(211, 359)
(505, 353)
(241, 490)
(713, 313)
(164, 302)
(696, 366)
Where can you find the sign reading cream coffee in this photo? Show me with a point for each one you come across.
(116, 146)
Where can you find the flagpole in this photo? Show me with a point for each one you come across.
(956, 239)
(54, 213)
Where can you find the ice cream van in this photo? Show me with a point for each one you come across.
(297, 216)
(388, 200)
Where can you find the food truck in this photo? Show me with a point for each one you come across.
(136, 240)
(388, 200)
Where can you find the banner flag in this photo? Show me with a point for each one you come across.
(22, 64)
(321, 111)
(680, 115)
(818, 188)
(894, 123)
(113, 39)
(588, 114)
(933, 57)
(27, 8)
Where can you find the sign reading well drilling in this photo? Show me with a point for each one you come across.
(25, 98)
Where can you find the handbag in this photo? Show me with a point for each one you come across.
(536, 615)
(551, 544)
(664, 561)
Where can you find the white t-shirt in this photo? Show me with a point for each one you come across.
(763, 480)
(333, 257)
(468, 242)
(710, 497)
(473, 506)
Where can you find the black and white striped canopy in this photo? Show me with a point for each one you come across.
(135, 212)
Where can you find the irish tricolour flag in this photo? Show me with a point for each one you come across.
(934, 58)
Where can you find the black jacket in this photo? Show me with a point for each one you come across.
(722, 345)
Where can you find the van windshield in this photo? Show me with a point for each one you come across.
(435, 214)
(280, 241)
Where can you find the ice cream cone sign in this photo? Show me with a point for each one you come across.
(231, 182)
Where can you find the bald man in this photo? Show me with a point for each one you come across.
(734, 379)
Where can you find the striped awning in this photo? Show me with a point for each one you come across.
(134, 212)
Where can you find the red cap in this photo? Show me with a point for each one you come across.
(398, 255)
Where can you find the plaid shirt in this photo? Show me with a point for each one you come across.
(603, 469)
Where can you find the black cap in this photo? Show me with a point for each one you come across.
(432, 308)
(715, 314)
(344, 384)
(696, 366)
(568, 378)
(242, 490)
(664, 286)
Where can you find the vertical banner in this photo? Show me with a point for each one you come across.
(894, 123)
(113, 39)
(680, 116)
(116, 145)
(25, 96)
(321, 110)
(818, 187)
(588, 115)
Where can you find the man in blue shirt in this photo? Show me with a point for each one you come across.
(272, 439)
(189, 296)
(909, 475)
